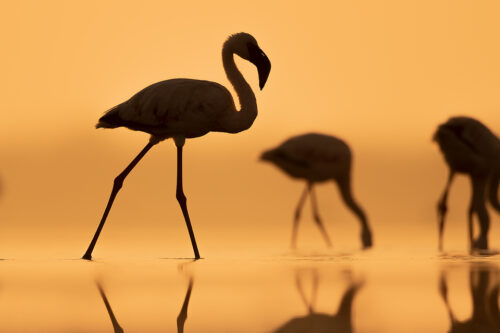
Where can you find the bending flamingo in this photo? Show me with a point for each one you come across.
(318, 158)
(469, 147)
(187, 108)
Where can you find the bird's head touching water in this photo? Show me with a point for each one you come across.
(245, 45)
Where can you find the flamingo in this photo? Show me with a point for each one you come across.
(485, 311)
(318, 158)
(469, 147)
(314, 321)
(187, 108)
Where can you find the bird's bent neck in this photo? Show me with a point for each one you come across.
(243, 119)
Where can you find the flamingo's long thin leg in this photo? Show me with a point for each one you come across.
(296, 218)
(181, 318)
(181, 198)
(470, 226)
(442, 209)
(479, 204)
(117, 185)
(317, 218)
(344, 184)
(116, 326)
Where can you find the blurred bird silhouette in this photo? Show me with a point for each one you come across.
(187, 108)
(485, 316)
(318, 158)
(315, 322)
(469, 147)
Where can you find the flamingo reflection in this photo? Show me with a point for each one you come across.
(341, 321)
(116, 326)
(181, 318)
(484, 287)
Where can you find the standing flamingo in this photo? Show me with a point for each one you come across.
(318, 158)
(469, 147)
(187, 108)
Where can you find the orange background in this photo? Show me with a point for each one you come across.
(380, 75)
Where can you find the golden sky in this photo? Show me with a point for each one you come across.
(379, 74)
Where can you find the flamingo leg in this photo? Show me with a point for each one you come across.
(116, 326)
(117, 185)
(344, 185)
(181, 198)
(317, 218)
(296, 219)
(442, 208)
(479, 207)
(470, 226)
(181, 318)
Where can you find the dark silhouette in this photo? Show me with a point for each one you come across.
(469, 147)
(341, 321)
(485, 316)
(185, 108)
(319, 158)
(181, 318)
(116, 327)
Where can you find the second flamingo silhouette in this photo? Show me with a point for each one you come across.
(469, 147)
(318, 158)
(186, 108)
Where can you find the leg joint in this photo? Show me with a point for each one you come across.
(118, 182)
(180, 197)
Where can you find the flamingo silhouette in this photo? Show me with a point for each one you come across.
(469, 147)
(187, 108)
(314, 321)
(485, 311)
(318, 158)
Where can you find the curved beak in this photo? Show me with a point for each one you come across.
(261, 61)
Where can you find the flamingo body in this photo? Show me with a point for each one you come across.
(468, 146)
(313, 157)
(185, 107)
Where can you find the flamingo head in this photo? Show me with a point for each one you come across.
(247, 48)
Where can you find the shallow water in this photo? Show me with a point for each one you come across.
(293, 292)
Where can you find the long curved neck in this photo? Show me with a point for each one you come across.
(243, 119)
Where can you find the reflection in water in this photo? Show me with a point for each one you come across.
(484, 285)
(341, 321)
(181, 318)
(117, 328)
